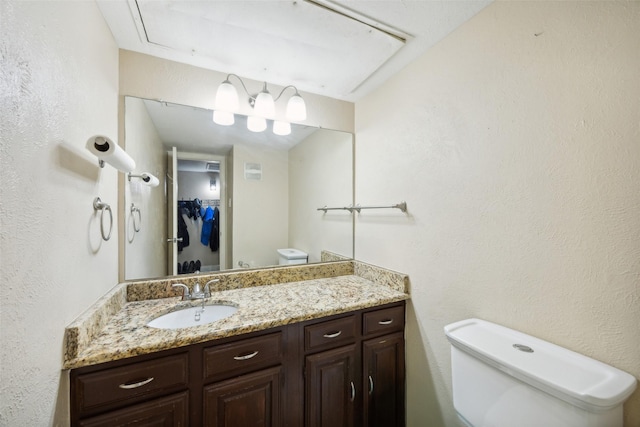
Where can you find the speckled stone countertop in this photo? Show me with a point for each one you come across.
(115, 326)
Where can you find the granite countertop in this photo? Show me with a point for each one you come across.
(115, 327)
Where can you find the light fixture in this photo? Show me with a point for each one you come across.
(227, 97)
(263, 104)
(296, 108)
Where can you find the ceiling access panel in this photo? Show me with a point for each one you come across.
(315, 45)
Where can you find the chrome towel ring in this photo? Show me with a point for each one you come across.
(135, 210)
(98, 205)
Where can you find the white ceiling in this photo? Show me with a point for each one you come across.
(340, 49)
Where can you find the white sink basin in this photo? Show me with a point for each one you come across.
(193, 316)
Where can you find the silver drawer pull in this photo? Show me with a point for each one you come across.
(136, 385)
(246, 356)
(333, 334)
(385, 322)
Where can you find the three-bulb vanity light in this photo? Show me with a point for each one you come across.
(263, 104)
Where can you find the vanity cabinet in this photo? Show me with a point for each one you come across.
(103, 389)
(383, 367)
(243, 382)
(383, 375)
(361, 383)
(343, 370)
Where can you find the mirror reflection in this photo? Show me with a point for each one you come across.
(228, 197)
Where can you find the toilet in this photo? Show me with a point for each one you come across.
(505, 378)
(290, 256)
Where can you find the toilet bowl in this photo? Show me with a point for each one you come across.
(504, 378)
(292, 256)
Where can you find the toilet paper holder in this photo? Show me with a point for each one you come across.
(146, 177)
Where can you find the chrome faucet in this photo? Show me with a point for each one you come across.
(186, 294)
(197, 292)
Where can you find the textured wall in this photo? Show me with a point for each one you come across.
(59, 83)
(260, 218)
(145, 250)
(321, 174)
(515, 142)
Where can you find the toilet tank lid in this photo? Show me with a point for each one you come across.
(290, 253)
(568, 375)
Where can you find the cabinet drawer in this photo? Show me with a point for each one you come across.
(165, 411)
(330, 333)
(124, 384)
(383, 321)
(228, 360)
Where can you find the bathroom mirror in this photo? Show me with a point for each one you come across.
(263, 190)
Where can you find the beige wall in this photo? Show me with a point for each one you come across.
(58, 86)
(145, 250)
(260, 218)
(154, 78)
(515, 142)
(321, 174)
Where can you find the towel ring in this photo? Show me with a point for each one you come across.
(101, 206)
(135, 210)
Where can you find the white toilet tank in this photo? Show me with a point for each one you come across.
(292, 256)
(504, 378)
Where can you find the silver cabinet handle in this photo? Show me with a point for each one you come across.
(385, 322)
(353, 391)
(370, 384)
(127, 386)
(332, 335)
(174, 240)
(246, 356)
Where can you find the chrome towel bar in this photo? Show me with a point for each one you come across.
(402, 206)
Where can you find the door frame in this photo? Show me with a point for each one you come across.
(183, 155)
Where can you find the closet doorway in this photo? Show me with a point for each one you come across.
(197, 214)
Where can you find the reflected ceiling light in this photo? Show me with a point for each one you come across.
(256, 124)
(224, 118)
(263, 103)
(281, 128)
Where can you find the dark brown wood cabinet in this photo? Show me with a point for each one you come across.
(330, 388)
(167, 411)
(344, 370)
(247, 400)
(383, 370)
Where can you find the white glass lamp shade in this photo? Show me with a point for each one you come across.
(296, 108)
(256, 124)
(227, 97)
(265, 106)
(281, 128)
(223, 118)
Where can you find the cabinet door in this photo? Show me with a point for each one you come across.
(248, 400)
(384, 380)
(330, 388)
(171, 411)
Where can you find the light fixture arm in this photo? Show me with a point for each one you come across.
(242, 83)
(263, 103)
(252, 97)
(285, 88)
